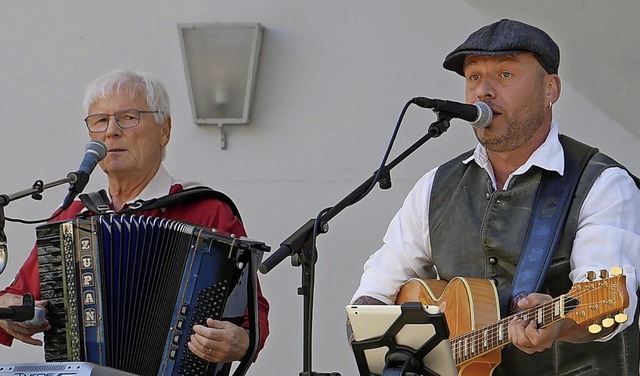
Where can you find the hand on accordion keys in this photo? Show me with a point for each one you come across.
(219, 341)
(24, 330)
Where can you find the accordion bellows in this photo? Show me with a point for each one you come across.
(125, 291)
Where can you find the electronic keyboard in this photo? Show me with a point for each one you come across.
(59, 369)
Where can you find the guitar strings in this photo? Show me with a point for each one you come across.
(546, 307)
(485, 337)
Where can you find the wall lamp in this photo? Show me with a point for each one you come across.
(221, 62)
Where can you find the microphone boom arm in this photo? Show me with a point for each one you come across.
(301, 244)
(37, 188)
(35, 191)
(302, 237)
(95, 151)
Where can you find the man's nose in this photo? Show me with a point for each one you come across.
(485, 89)
(112, 125)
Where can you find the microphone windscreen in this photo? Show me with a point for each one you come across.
(485, 115)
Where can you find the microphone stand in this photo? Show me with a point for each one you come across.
(35, 192)
(300, 245)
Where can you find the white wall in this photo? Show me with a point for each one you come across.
(333, 78)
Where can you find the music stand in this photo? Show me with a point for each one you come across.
(405, 340)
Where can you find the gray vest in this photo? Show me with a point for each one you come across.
(476, 232)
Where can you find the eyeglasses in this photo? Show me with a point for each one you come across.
(125, 119)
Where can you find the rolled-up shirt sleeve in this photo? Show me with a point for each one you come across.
(406, 252)
(608, 234)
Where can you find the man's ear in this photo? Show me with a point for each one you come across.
(165, 136)
(553, 88)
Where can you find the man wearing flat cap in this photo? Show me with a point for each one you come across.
(529, 210)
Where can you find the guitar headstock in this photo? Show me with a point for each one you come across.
(598, 298)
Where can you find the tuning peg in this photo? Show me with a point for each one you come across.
(621, 317)
(591, 275)
(595, 328)
(616, 271)
(604, 274)
(608, 322)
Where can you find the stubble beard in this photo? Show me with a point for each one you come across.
(521, 125)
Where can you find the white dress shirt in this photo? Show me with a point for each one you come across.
(160, 185)
(608, 231)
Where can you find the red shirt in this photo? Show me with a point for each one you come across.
(210, 213)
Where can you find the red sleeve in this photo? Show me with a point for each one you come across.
(28, 278)
(263, 318)
(226, 221)
(232, 224)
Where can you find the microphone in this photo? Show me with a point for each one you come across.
(478, 114)
(95, 151)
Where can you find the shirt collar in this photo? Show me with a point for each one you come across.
(549, 156)
(159, 186)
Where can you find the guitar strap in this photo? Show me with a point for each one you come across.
(98, 202)
(550, 211)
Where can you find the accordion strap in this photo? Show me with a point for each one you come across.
(98, 202)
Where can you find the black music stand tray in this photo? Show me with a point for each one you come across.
(402, 360)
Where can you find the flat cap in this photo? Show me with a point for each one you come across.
(506, 37)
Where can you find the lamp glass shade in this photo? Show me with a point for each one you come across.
(221, 61)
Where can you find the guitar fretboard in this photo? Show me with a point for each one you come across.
(493, 336)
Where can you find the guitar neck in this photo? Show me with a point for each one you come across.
(584, 303)
(481, 341)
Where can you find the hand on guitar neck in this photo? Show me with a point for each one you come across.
(477, 333)
(528, 337)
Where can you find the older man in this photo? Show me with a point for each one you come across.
(129, 112)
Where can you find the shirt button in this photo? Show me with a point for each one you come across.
(493, 260)
(487, 195)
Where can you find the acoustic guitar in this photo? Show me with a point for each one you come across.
(472, 311)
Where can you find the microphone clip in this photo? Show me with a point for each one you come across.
(38, 186)
(385, 179)
(441, 125)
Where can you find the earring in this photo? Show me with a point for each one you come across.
(550, 105)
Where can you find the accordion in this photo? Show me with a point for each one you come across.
(125, 291)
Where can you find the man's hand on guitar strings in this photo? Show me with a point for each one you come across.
(525, 334)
